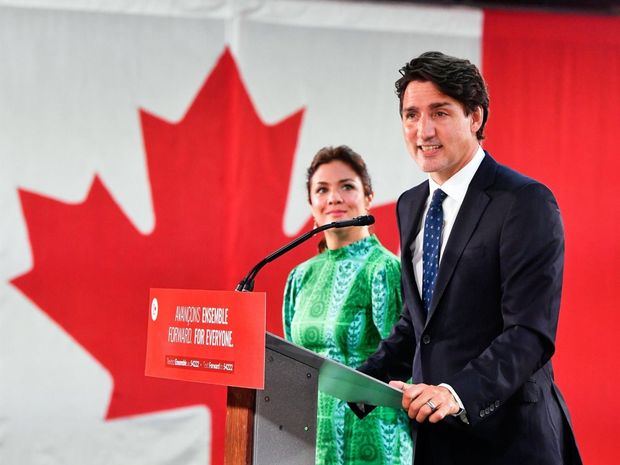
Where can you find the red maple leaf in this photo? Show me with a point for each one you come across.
(219, 182)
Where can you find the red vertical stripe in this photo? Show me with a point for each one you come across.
(554, 82)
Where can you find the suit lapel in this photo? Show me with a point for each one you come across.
(474, 204)
(409, 225)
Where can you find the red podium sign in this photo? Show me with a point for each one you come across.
(215, 337)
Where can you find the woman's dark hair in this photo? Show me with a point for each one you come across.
(455, 77)
(347, 156)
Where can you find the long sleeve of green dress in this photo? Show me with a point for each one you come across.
(340, 304)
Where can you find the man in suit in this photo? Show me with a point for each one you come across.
(482, 259)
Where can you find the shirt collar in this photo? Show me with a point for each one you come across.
(456, 186)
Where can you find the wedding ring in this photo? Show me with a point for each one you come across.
(432, 406)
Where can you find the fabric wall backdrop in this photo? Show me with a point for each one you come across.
(165, 145)
(555, 116)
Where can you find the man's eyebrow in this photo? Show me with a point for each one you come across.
(410, 108)
(432, 106)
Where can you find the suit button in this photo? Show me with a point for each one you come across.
(426, 339)
(492, 407)
(481, 413)
(487, 411)
(497, 403)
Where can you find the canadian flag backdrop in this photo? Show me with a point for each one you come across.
(163, 144)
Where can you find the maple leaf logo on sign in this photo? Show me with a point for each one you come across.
(219, 181)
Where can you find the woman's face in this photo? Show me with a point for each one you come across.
(337, 193)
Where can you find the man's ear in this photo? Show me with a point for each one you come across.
(476, 119)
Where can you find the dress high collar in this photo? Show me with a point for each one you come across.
(355, 249)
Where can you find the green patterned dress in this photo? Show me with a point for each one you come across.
(340, 304)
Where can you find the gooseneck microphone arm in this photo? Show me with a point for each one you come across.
(247, 283)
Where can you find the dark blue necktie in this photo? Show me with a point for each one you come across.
(432, 246)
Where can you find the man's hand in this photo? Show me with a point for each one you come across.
(419, 400)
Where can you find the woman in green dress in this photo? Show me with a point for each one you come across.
(341, 303)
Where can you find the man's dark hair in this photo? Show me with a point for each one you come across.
(455, 77)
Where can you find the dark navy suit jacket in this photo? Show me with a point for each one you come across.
(490, 331)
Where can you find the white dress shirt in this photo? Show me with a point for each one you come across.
(455, 188)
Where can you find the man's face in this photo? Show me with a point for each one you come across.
(439, 136)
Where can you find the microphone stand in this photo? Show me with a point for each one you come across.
(247, 283)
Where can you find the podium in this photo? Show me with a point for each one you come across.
(217, 337)
(277, 425)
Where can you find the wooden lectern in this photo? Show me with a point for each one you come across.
(277, 425)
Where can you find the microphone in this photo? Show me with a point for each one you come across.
(364, 220)
(247, 283)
